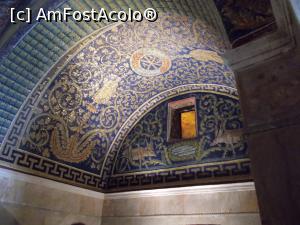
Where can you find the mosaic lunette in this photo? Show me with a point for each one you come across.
(147, 148)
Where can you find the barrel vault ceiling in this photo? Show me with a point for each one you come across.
(82, 84)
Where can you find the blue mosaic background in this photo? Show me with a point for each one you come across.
(34, 48)
(69, 126)
(148, 139)
(95, 93)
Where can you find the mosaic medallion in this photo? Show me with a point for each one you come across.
(150, 62)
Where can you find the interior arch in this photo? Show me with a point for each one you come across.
(140, 123)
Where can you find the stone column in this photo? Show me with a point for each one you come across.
(270, 99)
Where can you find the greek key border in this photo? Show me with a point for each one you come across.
(237, 170)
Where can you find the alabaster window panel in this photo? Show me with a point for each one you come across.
(182, 119)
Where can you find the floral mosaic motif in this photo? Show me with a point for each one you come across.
(219, 137)
(84, 106)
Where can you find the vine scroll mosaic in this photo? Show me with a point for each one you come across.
(73, 125)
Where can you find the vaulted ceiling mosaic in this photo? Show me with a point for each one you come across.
(29, 52)
(83, 96)
(78, 113)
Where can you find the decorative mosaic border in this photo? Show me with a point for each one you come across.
(237, 170)
(13, 157)
(36, 165)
